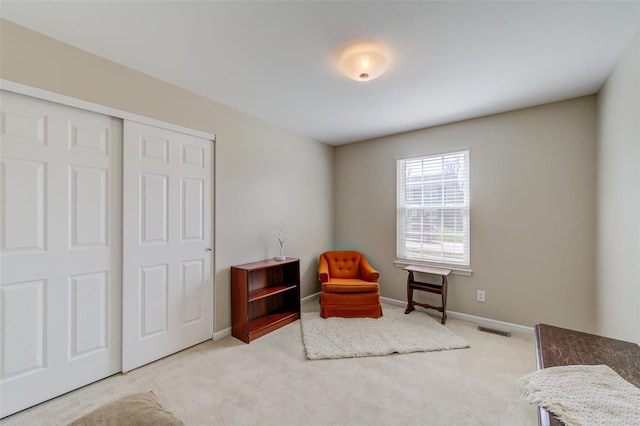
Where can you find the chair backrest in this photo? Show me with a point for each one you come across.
(343, 264)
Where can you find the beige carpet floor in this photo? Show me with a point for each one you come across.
(270, 382)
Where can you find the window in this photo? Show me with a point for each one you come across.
(433, 210)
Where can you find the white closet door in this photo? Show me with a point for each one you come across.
(167, 224)
(60, 240)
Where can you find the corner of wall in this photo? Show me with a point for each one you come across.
(618, 175)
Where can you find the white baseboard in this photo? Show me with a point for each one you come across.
(487, 322)
(393, 301)
(313, 296)
(222, 334)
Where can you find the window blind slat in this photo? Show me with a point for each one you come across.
(433, 209)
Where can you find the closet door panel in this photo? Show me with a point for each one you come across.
(60, 241)
(167, 265)
(23, 201)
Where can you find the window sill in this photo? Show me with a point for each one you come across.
(455, 269)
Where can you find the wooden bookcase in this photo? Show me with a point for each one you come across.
(265, 296)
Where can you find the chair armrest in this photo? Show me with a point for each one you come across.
(323, 270)
(367, 272)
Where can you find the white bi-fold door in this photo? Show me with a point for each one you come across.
(167, 243)
(60, 257)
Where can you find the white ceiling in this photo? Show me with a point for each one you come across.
(277, 60)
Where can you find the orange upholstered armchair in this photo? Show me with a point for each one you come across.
(349, 286)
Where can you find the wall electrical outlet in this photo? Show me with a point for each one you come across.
(480, 296)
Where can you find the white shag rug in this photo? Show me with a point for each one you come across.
(584, 395)
(394, 332)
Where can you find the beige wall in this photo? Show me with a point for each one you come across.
(618, 236)
(532, 211)
(265, 175)
(532, 187)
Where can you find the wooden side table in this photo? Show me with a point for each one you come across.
(441, 289)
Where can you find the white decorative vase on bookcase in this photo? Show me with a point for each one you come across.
(280, 232)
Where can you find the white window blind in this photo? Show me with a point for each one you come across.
(433, 209)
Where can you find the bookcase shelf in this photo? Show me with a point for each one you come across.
(271, 322)
(269, 291)
(265, 296)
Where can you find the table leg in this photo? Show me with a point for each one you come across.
(444, 300)
(410, 307)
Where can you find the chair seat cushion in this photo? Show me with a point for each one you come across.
(349, 285)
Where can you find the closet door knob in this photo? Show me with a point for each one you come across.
(209, 249)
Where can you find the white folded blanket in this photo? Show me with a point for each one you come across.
(584, 395)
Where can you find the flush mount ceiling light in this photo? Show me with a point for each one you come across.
(363, 61)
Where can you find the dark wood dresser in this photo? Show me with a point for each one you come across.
(557, 346)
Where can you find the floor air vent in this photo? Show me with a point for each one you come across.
(491, 330)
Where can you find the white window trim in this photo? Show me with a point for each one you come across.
(456, 269)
